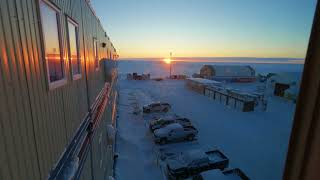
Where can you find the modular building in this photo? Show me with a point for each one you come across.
(228, 73)
(57, 91)
(199, 84)
(286, 84)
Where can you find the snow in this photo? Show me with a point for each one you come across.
(205, 81)
(111, 133)
(213, 174)
(192, 155)
(287, 77)
(255, 142)
(71, 169)
(168, 128)
(134, 144)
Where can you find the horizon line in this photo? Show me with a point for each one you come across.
(253, 60)
(187, 57)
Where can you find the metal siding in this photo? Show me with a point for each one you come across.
(4, 159)
(37, 123)
(7, 162)
(33, 66)
(14, 93)
(40, 127)
(26, 124)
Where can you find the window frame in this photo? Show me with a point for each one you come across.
(73, 22)
(54, 84)
(96, 54)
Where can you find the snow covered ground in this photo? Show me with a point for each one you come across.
(133, 142)
(255, 142)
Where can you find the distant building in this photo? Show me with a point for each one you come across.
(285, 85)
(228, 73)
(136, 76)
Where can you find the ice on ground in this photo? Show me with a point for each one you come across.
(255, 142)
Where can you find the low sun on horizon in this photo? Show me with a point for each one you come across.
(167, 60)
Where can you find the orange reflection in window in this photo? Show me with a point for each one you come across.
(51, 42)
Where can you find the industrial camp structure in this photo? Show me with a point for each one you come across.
(57, 91)
(199, 84)
(285, 84)
(228, 73)
(215, 90)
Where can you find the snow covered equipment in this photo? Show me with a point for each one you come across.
(162, 122)
(174, 133)
(182, 165)
(156, 107)
(236, 173)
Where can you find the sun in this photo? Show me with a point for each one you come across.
(167, 61)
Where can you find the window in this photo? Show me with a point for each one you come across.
(50, 28)
(96, 58)
(74, 49)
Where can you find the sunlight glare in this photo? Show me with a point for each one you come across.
(167, 61)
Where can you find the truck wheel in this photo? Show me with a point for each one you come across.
(166, 109)
(147, 111)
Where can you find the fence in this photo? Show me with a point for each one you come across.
(230, 99)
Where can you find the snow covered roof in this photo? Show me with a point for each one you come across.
(213, 174)
(292, 90)
(204, 81)
(173, 126)
(227, 70)
(185, 158)
(168, 128)
(194, 154)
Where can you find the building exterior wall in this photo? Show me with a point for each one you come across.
(276, 83)
(227, 71)
(37, 122)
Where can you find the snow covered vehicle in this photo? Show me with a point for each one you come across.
(236, 173)
(182, 165)
(156, 107)
(226, 174)
(162, 122)
(174, 132)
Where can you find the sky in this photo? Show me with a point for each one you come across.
(207, 28)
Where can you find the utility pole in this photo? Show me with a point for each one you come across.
(170, 64)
